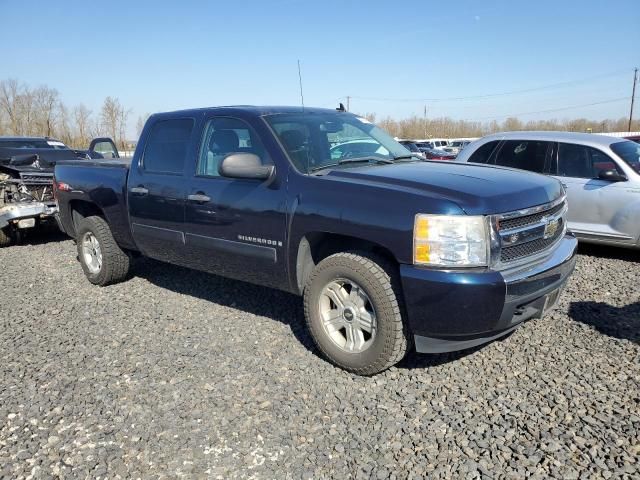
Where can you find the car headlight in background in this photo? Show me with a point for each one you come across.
(451, 240)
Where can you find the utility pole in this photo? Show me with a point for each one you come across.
(633, 96)
(425, 122)
(348, 101)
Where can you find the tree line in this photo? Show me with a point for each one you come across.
(417, 128)
(40, 111)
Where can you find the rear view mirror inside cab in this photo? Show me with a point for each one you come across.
(331, 127)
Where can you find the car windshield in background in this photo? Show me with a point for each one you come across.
(629, 152)
(315, 141)
(413, 147)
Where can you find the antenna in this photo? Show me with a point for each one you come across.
(300, 80)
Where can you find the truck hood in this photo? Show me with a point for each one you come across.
(476, 189)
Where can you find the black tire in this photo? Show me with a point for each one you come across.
(5, 237)
(115, 262)
(378, 279)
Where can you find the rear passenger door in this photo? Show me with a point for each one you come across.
(530, 155)
(156, 189)
(235, 227)
(594, 203)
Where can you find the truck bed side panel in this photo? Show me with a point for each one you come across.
(100, 184)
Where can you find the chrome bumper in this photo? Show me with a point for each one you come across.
(18, 211)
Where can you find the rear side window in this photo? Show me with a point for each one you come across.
(483, 154)
(523, 154)
(167, 146)
(580, 161)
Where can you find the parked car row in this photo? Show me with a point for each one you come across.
(436, 148)
(387, 249)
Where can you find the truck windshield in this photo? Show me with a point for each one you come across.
(317, 140)
(629, 152)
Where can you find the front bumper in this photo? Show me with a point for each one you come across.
(18, 211)
(457, 309)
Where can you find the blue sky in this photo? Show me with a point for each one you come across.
(159, 55)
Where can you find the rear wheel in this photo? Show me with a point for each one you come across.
(5, 237)
(102, 260)
(353, 312)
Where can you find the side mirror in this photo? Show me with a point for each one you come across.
(611, 176)
(245, 165)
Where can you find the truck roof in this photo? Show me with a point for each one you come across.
(258, 110)
(15, 139)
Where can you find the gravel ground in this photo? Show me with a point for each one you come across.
(180, 374)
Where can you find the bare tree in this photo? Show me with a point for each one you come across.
(45, 105)
(114, 120)
(63, 127)
(82, 123)
(140, 123)
(10, 91)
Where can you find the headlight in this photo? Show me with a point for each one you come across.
(451, 240)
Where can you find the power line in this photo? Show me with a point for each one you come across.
(491, 95)
(613, 100)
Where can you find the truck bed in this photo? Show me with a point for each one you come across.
(101, 183)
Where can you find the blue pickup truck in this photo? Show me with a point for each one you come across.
(389, 251)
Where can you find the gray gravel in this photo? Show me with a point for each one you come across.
(180, 374)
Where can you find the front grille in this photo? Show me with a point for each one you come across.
(532, 219)
(516, 252)
(43, 178)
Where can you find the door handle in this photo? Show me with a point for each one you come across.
(199, 198)
(139, 191)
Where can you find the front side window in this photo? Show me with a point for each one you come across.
(629, 152)
(318, 140)
(483, 154)
(167, 145)
(223, 136)
(523, 154)
(580, 161)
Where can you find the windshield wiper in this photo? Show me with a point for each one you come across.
(408, 157)
(345, 161)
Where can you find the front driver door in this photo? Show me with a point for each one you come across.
(594, 203)
(235, 227)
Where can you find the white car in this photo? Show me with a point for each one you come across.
(438, 144)
(600, 174)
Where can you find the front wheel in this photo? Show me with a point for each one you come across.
(102, 260)
(352, 309)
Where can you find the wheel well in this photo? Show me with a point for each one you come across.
(81, 209)
(316, 246)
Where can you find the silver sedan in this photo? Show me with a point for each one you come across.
(601, 176)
